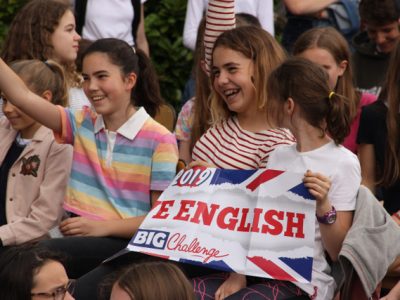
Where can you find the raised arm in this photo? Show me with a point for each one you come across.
(305, 7)
(33, 105)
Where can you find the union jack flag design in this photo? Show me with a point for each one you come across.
(253, 222)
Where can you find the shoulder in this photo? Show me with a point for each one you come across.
(155, 130)
(375, 110)
(367, 98)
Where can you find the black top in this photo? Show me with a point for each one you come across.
(373, 131)
(12, 155)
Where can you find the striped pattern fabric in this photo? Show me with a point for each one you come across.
(220, 17)
(227, 146)
(121, 190)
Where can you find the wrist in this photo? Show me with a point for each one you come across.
(328, 218)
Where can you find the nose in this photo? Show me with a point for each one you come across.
(222, 78)
(380, 38)
(77, 37)
(8, 107)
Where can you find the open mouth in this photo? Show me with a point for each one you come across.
(97, 98)
(231, 93)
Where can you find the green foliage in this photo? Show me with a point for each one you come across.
(164, 29)
(8, 8)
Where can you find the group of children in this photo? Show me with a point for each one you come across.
(113, 160)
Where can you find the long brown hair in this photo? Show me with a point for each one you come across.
(391, 92)
(29, 36)
(329, 39)
(266, 54)
(307, 84)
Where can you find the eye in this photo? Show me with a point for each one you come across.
(85, 77)
(215, 72)
(232, 69)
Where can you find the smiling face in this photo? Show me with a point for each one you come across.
(385, 36)
(65, 40)
(325, 59)
(232, 73)
(19, 121)
(50, 278)
(107, 88)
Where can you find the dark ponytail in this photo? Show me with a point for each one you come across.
(307, 84)
(338, 119)
(147, 90)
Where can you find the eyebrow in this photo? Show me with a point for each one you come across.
(96, 73)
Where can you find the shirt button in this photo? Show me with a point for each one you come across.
(11, 199)
(13, 174)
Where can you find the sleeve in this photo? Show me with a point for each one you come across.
(164, 161)
(194, 14)
(345, 184)
(365, 132)
(71, 120)
(46, 210)
(184, 124)
(265, 14)
(220, 17)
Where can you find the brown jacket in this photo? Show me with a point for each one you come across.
(36, 185)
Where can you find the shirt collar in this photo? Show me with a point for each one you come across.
(130, 128)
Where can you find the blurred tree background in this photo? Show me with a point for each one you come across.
(164, 27)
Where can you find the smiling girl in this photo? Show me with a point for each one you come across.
(34, 169)
(241, 136)
(123, 159)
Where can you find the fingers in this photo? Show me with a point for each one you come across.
(71, 226)
(199, 163)
(317, 184)
(219, 295)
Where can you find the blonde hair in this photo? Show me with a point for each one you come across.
(43, 76)
(266, 54)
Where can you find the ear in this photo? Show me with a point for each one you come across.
(130, 80)
(289, 106)
(47, 95)
(343, 66)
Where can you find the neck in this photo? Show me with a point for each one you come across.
(29, 132)
(310, 138)
(115, 121)
(253, 122)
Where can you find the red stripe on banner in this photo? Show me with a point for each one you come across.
(263, 177)
(156, 255)
(272, 269)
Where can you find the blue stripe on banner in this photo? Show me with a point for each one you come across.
(231, 176)
(302, 266)
(302, 191)
(216, 264)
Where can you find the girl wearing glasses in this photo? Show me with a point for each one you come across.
(30, 272)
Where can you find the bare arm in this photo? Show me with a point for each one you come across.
(124, 228)
(33, 105)
(333, 234)
(141, 39)
(366, 155)
(184, 151)
(305, 7)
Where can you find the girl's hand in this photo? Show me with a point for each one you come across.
(234, 283)
(394, 294)
(318, 185)
(199, 163)
(81, 226)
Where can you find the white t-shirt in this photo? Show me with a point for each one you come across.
(343, 169)
(109, 18)
(262, 9)
(77, 98)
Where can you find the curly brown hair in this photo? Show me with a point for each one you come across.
(30, 32)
